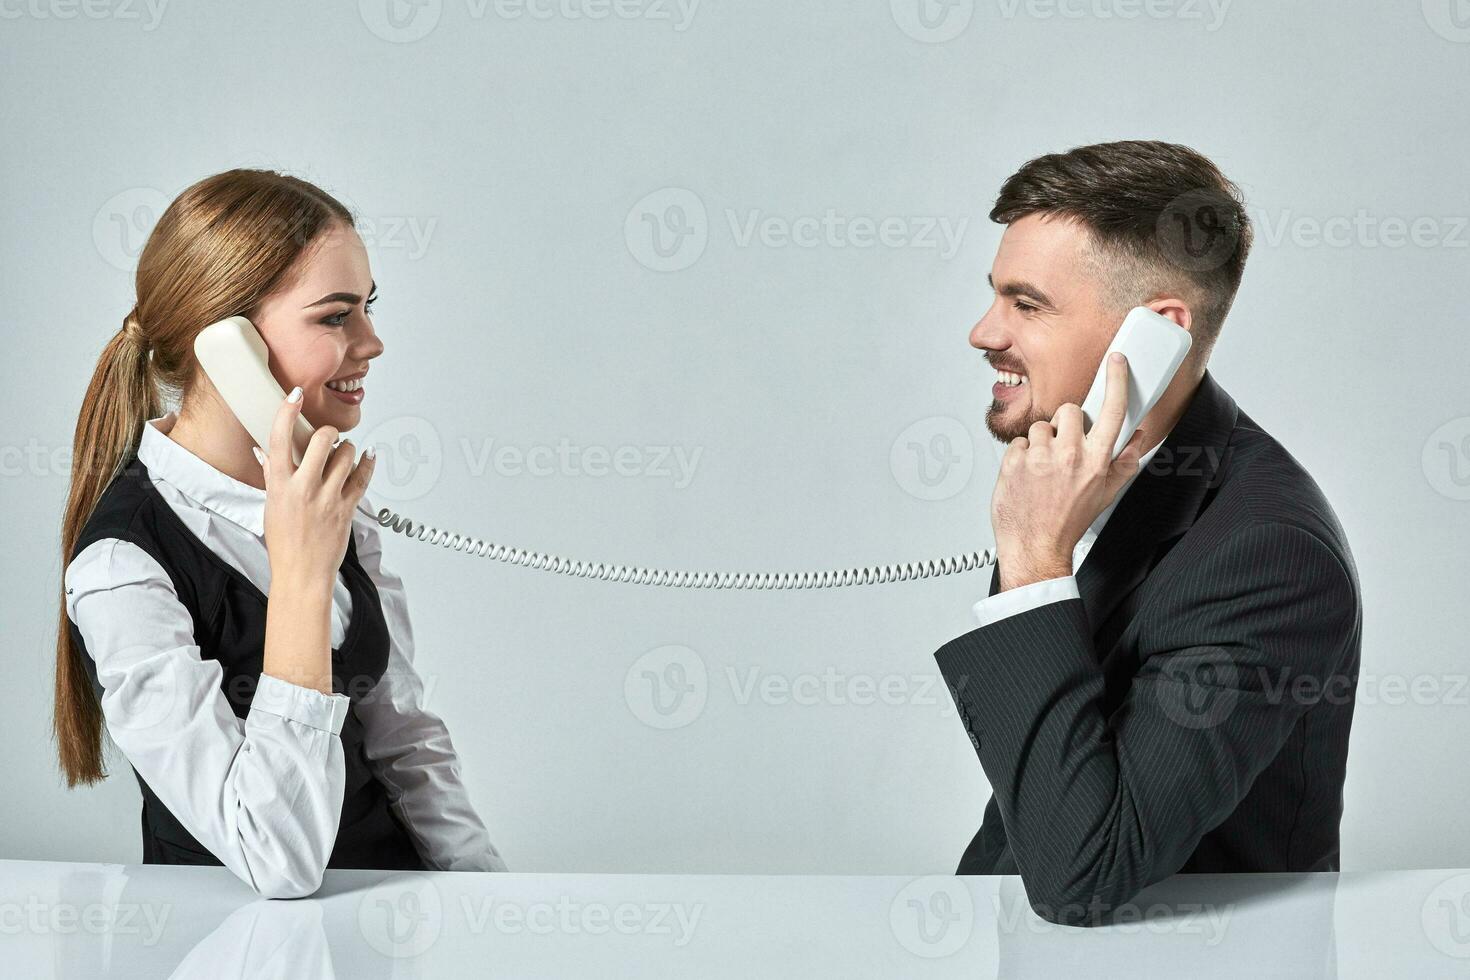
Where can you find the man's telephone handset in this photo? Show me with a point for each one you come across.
(235, 358)
(1155, 347)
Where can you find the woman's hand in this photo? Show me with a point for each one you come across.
(308, 516)
(309, 506)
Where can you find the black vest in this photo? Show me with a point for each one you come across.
(229, 627)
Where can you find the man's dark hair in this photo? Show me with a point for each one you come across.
(1162, 218)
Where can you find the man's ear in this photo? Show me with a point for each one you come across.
(1175, 308)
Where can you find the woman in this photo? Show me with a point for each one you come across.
(276, 739)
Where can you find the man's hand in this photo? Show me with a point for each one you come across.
(1056, 480)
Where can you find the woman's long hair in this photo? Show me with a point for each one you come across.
(219, 249)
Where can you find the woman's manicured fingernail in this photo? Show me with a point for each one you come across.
(259, 456)
(295, 395)
(371, 452)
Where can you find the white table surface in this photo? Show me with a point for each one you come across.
(107, 920)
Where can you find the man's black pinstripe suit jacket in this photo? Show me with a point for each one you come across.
(1190, 712)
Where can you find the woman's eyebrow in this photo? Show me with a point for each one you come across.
(351, 298)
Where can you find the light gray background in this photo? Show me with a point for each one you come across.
(500, 163)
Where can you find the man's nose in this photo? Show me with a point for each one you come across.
(987, 334)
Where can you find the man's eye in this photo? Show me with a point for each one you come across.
(1025, 307)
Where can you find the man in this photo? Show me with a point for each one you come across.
(1163, 675)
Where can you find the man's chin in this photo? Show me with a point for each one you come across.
(1008, 421)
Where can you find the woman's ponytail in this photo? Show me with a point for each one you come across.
(121, 397)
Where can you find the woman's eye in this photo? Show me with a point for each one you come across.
(340, 318)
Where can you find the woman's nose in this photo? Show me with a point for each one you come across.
(368, 344)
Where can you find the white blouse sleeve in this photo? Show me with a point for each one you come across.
(407, 744)
(264, 795)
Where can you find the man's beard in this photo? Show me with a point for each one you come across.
(1005, 429)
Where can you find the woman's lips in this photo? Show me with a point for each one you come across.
(350, 397)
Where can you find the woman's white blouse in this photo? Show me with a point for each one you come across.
(263, 794)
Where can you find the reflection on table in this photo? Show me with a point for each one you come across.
(92, 920)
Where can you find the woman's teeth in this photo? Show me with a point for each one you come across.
(1011, 380)
(352, 385)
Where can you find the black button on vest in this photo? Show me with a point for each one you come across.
(229, 615)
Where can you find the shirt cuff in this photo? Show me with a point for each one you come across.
(1025, 598)
(300, 704)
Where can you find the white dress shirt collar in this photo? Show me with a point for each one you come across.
(194, 478)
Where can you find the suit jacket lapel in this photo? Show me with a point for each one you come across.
(1161, 503)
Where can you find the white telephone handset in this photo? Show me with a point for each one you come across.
(237, 362)
(1155, 347)
(235, 358)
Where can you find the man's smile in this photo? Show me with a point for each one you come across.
(1009, 385)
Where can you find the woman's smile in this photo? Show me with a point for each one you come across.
(348, 388)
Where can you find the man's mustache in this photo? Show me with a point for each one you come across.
(1004, 365)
